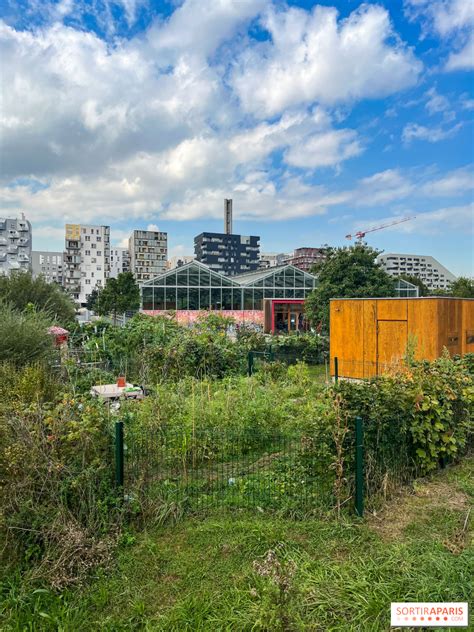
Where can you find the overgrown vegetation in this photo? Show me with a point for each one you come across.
(60, 513)
(25, 293)
(263, 572)
(206, 437)
(24, 336)
(155, 349)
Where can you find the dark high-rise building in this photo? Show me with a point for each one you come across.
(227, 253)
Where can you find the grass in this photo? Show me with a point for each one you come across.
(331, 576)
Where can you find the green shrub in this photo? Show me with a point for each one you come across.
(56, 488)
(21, 290)
(24, 337)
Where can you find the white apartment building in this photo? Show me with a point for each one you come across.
(148, 254)
(119, 261)
(15, 244)
(178, 260)
(430, 271)
(86, 259)
(49, 265)
(273, 259)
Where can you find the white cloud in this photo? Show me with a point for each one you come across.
(201, 26)
(442, 16)
(436, 102)
(313, 57)
(324, 149)
(453, 183)
(413, 131)
(451, 20)
(464, 59)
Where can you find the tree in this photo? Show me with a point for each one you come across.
(92, 299)
(20, 289)
(24, 336)
(349, 272)
(423, 290)
(462, 288)
(119, 295)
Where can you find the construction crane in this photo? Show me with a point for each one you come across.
(361, 233)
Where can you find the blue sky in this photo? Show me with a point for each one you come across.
(318, 119)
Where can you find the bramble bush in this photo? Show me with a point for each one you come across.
(58, 511)
(416, 420)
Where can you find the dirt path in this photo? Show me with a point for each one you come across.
(429, 497)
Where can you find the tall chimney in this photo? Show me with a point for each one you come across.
(228, 217)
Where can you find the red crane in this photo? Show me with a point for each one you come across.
(361, 233)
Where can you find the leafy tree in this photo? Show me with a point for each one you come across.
(92, 299)
(24, 336)
(423, 290)
(462, 288)
(349, 272)
(119, 295)
(21, 290)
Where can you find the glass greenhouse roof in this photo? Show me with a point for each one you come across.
(195, 286)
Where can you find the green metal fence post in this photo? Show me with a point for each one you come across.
(119, 461)
(250, 363)
(336, 370)
(359, 467)
(272, 354)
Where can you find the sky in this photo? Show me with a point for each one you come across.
(317, 119)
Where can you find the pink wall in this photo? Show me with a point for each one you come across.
(187, 317)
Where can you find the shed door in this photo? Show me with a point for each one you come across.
(392, 337)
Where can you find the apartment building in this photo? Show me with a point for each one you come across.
(148, 254)
(119, 261)
(49, 265)
(228, 254)
(273, 259)
(430, 271)
(15, 244)
(86, 259)
(305, 258)
(178, 261)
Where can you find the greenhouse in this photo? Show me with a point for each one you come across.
(195, 287)
(272, 299)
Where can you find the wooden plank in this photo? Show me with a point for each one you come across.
(423, 327)
(392, 336)
(391, 309)
(346, 336)
(369, 338)
(467, 327)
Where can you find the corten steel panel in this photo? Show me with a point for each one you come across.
(370, 341)
(431, 323)
(267, 308)
(392, 337)
(449, 325)
(423, 327)
(467, 328)
(389, 309)
(347, 337)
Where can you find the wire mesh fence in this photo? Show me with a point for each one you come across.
(389, 460)
(318, 362)
(225, 468)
